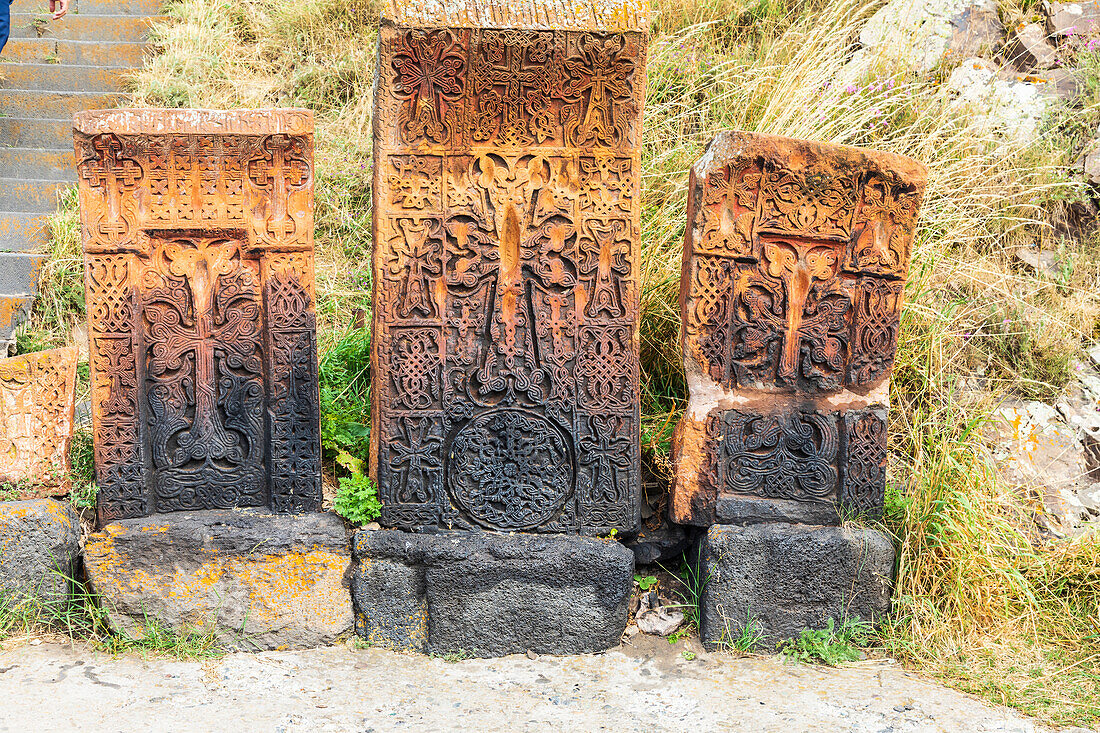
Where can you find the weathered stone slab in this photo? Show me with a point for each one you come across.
(795, 259)
(490, 594)
(783, 578)
(198, 241)
(260, 580)
(37, 404)
(507, 234)
(39, 543)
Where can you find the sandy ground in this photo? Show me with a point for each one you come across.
(646, 685)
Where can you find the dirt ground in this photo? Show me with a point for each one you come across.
(645, 685)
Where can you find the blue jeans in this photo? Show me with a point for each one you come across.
(5, 22)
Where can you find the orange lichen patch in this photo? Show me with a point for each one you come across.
(37, 410)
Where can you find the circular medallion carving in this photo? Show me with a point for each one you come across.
(510, 469)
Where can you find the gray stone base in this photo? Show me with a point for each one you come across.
(490, 594)
(259, 580)
(39, 544)
(783, 578)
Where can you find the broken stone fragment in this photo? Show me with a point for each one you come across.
(1028, 48)
(37, 403)
(258, 580)
(39, 544)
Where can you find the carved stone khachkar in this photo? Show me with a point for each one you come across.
(795, 258)
(198, 241)
(506, 230)
(37, 403)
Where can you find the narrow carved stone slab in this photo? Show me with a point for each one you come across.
(198, 242)
(506, 231)
(37, 403)
(795, 259)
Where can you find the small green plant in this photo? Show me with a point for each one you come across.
(453, 657)
(645, 582)
(747, 639)
(676, 636)
(357, 499)
(830, 646)
(689, 656)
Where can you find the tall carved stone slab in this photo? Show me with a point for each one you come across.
(37, 403)
(795, 259)
(506, 231)
(198, 243)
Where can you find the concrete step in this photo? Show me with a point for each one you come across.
(19, 272)
(111, 7)
(54, 105)
(14, 309)
(23, 232)
(111, 28)
(30, 195)
(53, 165)
(89, 53)
(61, 77)
(36, 132)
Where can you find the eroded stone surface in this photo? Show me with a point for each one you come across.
(490, 594)
(260, 580)
(37, 403)
(506, 233)
(795, 259)
(782, 578)
(1071, 19)
(198, 241)
(1028, 48)
(39, 542)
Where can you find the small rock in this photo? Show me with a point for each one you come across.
(1094, 354)
(532, 655)
(1040, 261)
(1010, 106)
(1089, 162)
(372, 526)
(1071, 19)
(1028, 48)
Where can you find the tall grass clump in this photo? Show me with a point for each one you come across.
(985, 599)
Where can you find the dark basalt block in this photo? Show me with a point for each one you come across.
(490, 594)
(783, 578)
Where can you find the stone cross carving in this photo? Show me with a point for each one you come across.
(37, 402)
(506, 265)
(198, 242)
(795, 258)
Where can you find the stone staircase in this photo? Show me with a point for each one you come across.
(49, 70)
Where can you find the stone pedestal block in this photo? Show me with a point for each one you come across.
(783, 578)
(490, 594)
(264, 581)
(39, 542)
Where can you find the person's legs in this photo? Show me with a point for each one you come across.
(5, 22)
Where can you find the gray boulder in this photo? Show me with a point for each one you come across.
(490, 594)
(1028, 48)
(782, 578)
(39, 545)
(258, 580)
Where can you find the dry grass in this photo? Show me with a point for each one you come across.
(982, 600)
